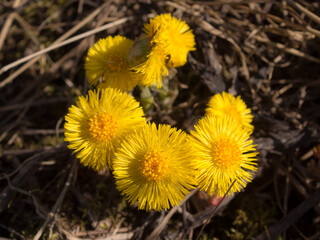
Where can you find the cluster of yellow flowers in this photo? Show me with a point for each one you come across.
(154, 166)
(121, 63)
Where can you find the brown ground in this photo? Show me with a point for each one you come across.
(268, 52)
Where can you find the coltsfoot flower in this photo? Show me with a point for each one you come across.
(234, 107)
(147, 60)
(224, 154)
(106, 64)
(154, 167)
(97, 124)
(175, 34)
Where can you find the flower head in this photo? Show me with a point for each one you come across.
(154, 168)
(234, 107)
(225, 154)
(176, 34)
(97, 124)
(148, 58)
(107, 60)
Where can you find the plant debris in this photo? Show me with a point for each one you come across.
(265, 51)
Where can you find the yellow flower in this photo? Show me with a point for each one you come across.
(234, 107)
(176, 34)
(154, 167)
(97, 124)
(107, 60)
(147, 59)
(225, 154)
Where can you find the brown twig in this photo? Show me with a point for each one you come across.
(58, 45)
(42, 131)
(39, 209)
(214, 211)
(36, 56)
(8, 23)
(288, 50)
(12, 231)
(34, 103)
(58, 203)
(310, 14)
(26, 169)
(155, 233)
(290, 218)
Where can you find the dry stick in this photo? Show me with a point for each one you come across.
(120, 236)
(34, 103)
(288, 50)
(14, 124)
(209, 28)
(99, 231)
(76, 50)
(11, 231)
(164, 222)
(282, 21)
(57, 129)
(7, 24)
(17, 152)
(27, 28)
(63, 37)
(214, 211)
(57, 14)
(310, 14)
(24, 151)
(39, 209)
(81, 46)
(70, 40)
(81, 24)
(80, 6)
(274, 231)
(41, 131)
(39, 53)
(25, 170)
(58, 203)
(82, 202)
(175, 5)
(48, 19)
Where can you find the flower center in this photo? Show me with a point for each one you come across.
(102, 127)
(226, 154)
(116, 63)
(154, 165)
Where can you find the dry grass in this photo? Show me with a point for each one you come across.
(265, 51)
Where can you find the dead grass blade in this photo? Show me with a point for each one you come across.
(23, 172)
(59, 201)
(8, 23)
(275, 231)
(155, 233)
(308, 13)
(287, 49)
(56, 44)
